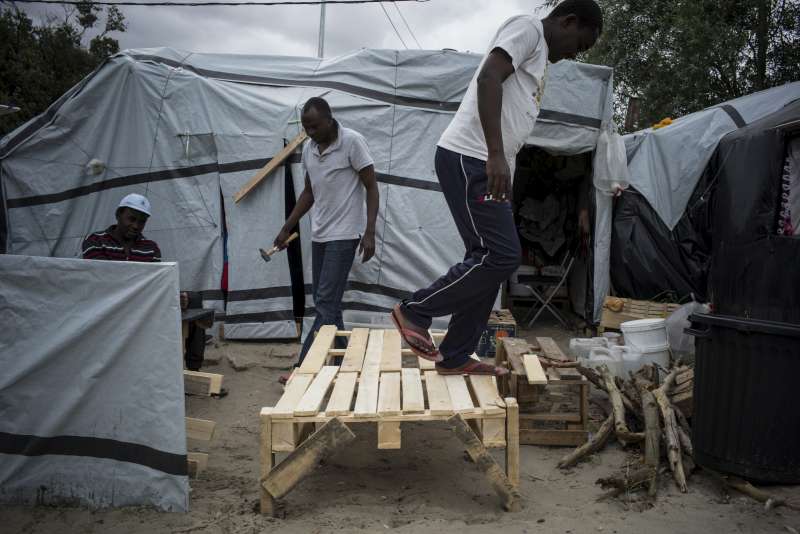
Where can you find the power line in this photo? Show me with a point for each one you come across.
(397, 7)
(201, 4)
(393, 26)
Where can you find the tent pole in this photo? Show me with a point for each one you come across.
(321, 47)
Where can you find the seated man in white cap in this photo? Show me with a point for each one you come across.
(124, 242)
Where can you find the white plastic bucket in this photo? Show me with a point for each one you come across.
(646, 334)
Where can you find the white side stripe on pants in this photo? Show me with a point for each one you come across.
(474, 228)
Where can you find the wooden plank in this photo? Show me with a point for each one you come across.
(426, 365)
(368, 387)
(512, 441)
(560, 438)
(318, 353)
(459, 394)
(374, 353)
(367, 397)
(300, 462)
(389, 436)
(198, 383)
(486, 464)
(196, 463)
(561, 417)
(342, 397)
(294, 391)
(273, 164)
(356, 348)
(389, 395)
(513, 349)
(391, 356)
(199, 429)
(533, 370)
(266, 461)
(485, 389)
(413, 396)
(311, 402)
(438, 395)
(550, 349)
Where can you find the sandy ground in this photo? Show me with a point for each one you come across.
(427, 487)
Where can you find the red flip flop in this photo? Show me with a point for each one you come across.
(420, 345)
(473, 367)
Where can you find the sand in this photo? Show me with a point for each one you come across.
(427, 487)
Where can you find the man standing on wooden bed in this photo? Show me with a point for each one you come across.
(475, 161)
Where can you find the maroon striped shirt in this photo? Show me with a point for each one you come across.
(103, 246)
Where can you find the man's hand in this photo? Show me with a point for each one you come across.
(280, 241)
(367, 246)
(499, 185)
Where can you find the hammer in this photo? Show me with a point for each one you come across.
(267, 254)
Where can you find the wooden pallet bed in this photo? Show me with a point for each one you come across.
(378, 382)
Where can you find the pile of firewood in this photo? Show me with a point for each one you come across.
(641, 411)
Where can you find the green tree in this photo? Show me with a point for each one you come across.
(680, 56)
(39, 63)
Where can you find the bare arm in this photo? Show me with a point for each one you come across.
(494, 72)
(367, 176)
(304, 203)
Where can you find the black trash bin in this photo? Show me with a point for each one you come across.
(746, 418)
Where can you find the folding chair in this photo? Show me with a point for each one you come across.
(545, 297)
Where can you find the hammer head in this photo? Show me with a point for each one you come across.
(265, 255)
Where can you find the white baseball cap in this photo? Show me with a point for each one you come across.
(136, 202)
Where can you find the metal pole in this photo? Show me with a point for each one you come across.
(321, 49)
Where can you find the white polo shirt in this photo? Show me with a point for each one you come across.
(340, 199)
(522, 38)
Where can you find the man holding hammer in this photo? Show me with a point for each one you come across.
(342, 194)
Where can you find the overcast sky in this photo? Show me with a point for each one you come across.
(465, 25)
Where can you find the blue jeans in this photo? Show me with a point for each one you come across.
(468, 290)
(330, 264)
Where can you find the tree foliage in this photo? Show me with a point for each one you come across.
(39, 63)
(680, 56)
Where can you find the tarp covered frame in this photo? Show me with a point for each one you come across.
(189, 130)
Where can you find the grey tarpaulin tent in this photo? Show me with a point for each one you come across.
(662, 230)
(189, 130)
(91, 393)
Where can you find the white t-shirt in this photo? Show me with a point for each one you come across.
(522, 38)
(340, 210)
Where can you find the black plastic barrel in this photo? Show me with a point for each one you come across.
(746, 418)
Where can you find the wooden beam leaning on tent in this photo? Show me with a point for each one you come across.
(273, 164)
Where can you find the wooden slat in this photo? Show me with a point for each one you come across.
(550, 349)
(459, 394)
(342, 397)
(438, 395)
(513, 349)
(197, 383)
(413, 396)
(273, 164)
(356, 348)
(426, 365)
(512, 441)
(372, 358)
(199, 429)
(312, 399)
(367, 398)
(533, 370)
(197, 462)
(295, 389)
(485, 389)
(391, 357)
(389, 436)
(318, 353)
(389, 396)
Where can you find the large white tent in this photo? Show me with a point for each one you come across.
(189, 130)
